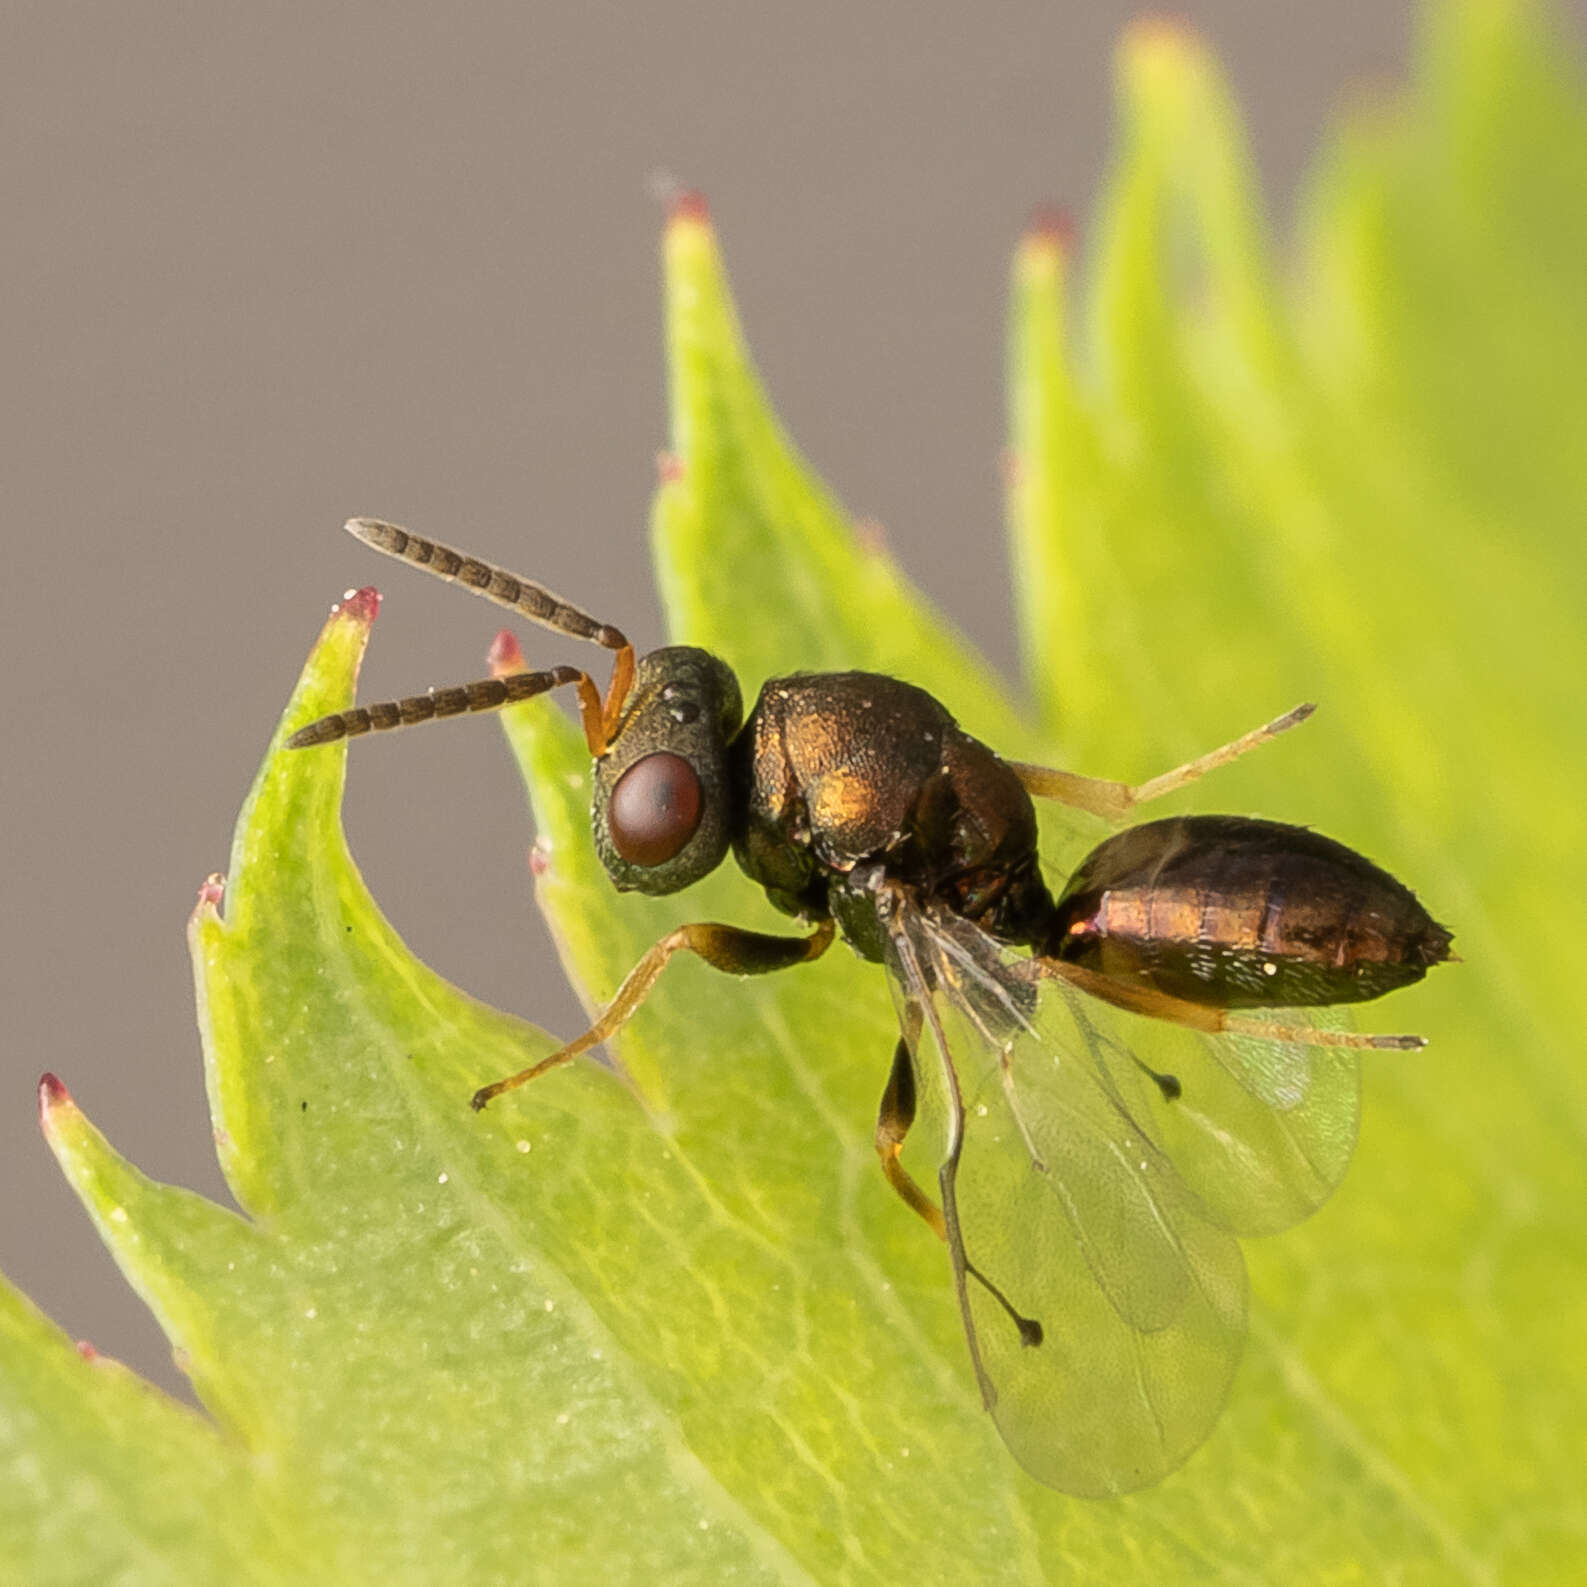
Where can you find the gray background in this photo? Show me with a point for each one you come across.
(267, 267)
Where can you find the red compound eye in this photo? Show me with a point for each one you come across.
(654, 809)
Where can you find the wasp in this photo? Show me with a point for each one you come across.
(1090, 1193)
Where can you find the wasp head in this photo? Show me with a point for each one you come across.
(662, 813)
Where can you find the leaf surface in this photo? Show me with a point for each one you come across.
(670, 1324)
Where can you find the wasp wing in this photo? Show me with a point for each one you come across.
(1262, 1131)
(1081, 1200)
(1105, 1312)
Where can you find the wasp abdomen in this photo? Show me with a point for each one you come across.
(1232, 912)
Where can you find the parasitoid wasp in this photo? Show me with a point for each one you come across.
(1091, 1200)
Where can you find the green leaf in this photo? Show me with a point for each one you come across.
(671, 1324)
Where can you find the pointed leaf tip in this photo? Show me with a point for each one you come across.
(669, 467)
(505, 654)
(1159, 54)
(210, 893)
(1049, 240)
(687, 206)
(360, 605)
(691, 258)
(1160, 30)
(1050, 226)
(52, 1096)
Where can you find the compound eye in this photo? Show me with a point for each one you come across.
(654, 809)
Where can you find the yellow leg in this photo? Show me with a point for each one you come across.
(1115, 800)
(1139, 998)
(723, 947)
(893, 1120)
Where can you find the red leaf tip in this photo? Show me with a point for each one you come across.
(87, 1351)
(52, 1095)
(539, 858)
(505, 654)
(363, 606)
(669, 467)
(1171, 32)
(1052, 225)
(686, 205)
(211, 890)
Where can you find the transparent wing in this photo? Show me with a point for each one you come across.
(1262, 1131)
(1081, 1200)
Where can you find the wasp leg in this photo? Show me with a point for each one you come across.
(1138, 998)
(1115, 800)
(722, 947)
(893, 1120)
(1309, 1035)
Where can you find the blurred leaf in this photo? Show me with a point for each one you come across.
(1365, 492)
(682, 1331)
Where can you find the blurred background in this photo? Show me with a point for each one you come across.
(267, 268)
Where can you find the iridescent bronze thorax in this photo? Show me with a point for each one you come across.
(840, 772)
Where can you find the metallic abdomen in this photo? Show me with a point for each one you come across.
(1233, 912)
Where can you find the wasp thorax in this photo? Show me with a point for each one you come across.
(662, 802)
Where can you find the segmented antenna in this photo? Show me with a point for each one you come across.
(517, 594)
(600, 717)
(489, 694)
